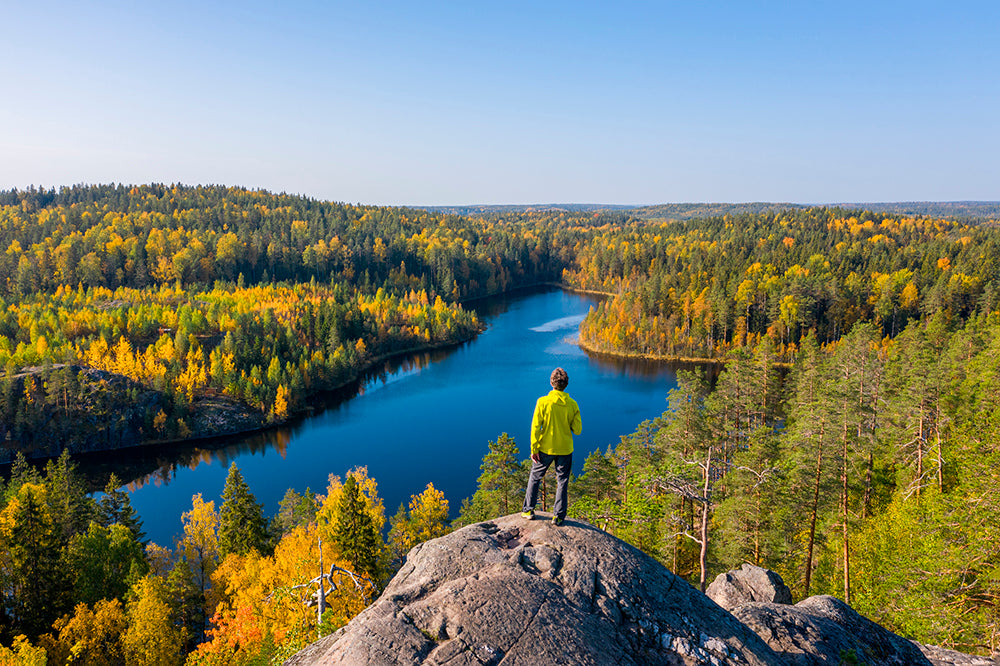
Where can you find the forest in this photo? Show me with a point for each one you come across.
(185, 293)
(846, 436)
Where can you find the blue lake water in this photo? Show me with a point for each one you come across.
(424, 418)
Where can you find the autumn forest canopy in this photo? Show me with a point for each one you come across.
(848, 440)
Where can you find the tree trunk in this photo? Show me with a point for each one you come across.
(843, 512)
(940, 457)
(920, 453)
(813, 513)
(705, 508)
(677, 537)
(321, 606)
(843, 503)
(756, 530)
(867, 503)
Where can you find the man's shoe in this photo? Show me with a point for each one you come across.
(528, 514)
(557, 521)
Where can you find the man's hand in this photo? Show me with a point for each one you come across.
(537, 457)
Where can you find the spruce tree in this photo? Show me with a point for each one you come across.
(356, 535)
(38, 589)
(116, 507)
(21, 472)
(69, 505)
(242, 527)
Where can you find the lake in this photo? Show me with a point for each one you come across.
(422, 418)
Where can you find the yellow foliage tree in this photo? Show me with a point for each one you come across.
(266, 600)
(200, 544)
(152, 638)
(90, 636)
(329, 512)
(427, 519)
(22, 653)
(280, 409)
(428, 514)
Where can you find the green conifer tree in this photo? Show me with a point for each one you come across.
(35, 587)
(242, 527)
(356, 535)
(116, 507)
(69, 505)
(295, 509)
(500, 487)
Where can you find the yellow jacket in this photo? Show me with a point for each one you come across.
(555, 421)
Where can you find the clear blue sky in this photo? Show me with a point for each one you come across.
(509, 102)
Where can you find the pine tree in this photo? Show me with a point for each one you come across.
(242, 526)
(690, 467)
(808, 451)
(21, 472)
(294, 510)
(500, 486)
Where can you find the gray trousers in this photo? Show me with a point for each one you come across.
(563, 466)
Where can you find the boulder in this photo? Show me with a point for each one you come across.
(942, 657)
(824, 630)
(746, 585)
(528, 592)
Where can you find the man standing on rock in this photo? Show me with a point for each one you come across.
(555, 421)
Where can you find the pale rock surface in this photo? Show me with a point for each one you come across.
(942, 657)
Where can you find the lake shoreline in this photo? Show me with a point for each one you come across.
(661, 358)
(237, 419)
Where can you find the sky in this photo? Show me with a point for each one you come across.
(455, 103)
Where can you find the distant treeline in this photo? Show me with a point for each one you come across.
(705, 287)
(960, 210)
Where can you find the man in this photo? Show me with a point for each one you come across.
(555, 421)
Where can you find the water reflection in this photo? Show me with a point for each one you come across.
(642, 368)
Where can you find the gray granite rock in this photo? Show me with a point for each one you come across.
(526, 593)
(942, 657)
(529, 593)
(747, 585)
(824, 630)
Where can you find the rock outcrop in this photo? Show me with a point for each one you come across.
(748, 584)
(824, 630)
(527, 592)
(518, 592)
(103, 411)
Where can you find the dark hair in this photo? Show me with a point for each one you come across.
(559, 379)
